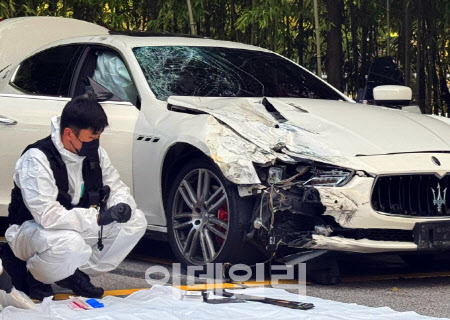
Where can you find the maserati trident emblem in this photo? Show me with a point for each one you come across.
(439, 198)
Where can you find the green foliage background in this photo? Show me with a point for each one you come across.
(420, 33)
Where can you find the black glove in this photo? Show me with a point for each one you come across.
(120, 212)
(5, 282)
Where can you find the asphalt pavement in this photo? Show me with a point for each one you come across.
(370, 280)
(377, 281)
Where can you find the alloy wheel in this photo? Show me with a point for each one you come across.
(200, 218)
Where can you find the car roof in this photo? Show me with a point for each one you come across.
(152, 34)
(153, 39)
(60, 31)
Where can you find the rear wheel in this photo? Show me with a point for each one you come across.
(207, 219)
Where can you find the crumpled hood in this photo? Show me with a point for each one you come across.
(324, 130)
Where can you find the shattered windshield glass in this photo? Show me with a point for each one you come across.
(226, 72)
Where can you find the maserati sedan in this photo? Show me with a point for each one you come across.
(231, 149)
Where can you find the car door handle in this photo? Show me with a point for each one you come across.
(7, 121)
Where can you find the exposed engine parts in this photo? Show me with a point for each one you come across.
(291, 205)
(287, 212)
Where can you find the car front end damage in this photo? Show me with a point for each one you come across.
(322, 180)
(311, 205)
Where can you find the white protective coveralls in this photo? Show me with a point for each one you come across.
(58, 241)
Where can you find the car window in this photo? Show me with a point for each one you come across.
(104, 72)
(226, 72)
(49, 72)
(112, 74)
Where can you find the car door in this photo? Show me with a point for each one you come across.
(41, 83)
(104, 71)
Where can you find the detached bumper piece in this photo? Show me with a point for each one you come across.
(382, 235)
(239, 298)
(432, 235)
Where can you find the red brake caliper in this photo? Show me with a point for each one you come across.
(222, 214)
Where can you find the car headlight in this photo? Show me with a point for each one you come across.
(329, 178)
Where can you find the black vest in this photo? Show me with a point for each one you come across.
(18, 213)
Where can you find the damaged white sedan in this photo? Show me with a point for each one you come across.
(230, 147)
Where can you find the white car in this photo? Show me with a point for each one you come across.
(227, 145)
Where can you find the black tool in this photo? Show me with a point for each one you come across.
(104, 195)
(237, 298)
(100, 239)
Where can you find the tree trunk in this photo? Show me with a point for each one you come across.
(275, 34)
(407, 43)
(334, 59)
(53, 6)
(300, 35)
(445, 92)
(219, 21)
(234, 34)
(420, 71)
(354, 22)
(287, 38)
(372, 52)
(253, 26)
(348, 87)
(434, 58)
(364, 55)
(208, 19)
(86, 11)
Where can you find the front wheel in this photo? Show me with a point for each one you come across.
(206, 217)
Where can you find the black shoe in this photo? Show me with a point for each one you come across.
(81, 285)
(38, 290)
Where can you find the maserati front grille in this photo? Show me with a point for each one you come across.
(421, 195)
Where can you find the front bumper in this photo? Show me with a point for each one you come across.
(351, 208)
(354, 226)
(337, 243)
(306, 215)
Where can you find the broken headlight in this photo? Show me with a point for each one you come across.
(329, 178)
(306, 175)
(275, 175)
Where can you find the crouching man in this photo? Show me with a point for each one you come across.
(70, 214)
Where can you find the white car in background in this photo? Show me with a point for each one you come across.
(231, 149)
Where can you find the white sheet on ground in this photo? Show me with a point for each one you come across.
(164, 303)
(17, 299)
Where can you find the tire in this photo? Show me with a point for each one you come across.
(206, 225)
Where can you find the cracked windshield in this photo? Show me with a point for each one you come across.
(226, 72)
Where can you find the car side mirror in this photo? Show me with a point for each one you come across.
(104, 96)
(101, 93)
(392, 96)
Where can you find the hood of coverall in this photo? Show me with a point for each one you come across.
(67, 155)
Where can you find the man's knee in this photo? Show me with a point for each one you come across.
(64, 255)
(70, 248)
(70, 242)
